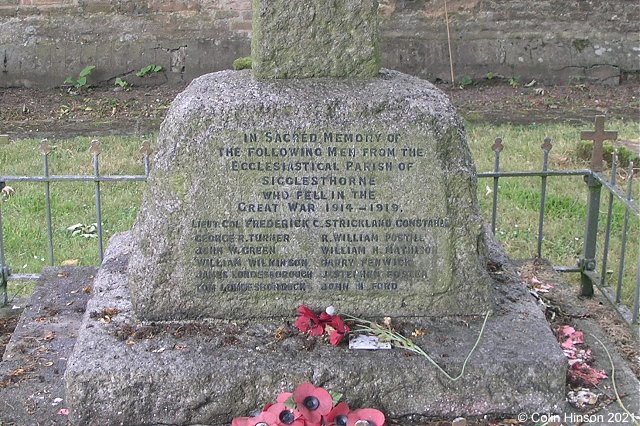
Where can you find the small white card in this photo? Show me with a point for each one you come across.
(367, 342)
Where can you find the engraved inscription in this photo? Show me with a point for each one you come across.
(332, 186)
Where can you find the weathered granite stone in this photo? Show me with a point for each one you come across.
(266, 194)
(310, 38)
(124, 372)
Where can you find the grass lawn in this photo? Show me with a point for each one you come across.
(25, 231)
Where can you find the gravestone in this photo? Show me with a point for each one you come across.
(347, 186)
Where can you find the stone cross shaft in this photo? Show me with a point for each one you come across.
(311, 38)
(598, 136)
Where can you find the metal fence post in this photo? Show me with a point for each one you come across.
(45, 150)
(497, 147)
(588, 260)
(95, 153)
(4, 269)
(546, 148)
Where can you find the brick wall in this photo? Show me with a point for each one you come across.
(44, 41)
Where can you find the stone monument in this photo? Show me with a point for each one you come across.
(356, 191)
(316, 179)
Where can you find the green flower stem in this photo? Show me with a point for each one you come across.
(398, 340)
(613, 382)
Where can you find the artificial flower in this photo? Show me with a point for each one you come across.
(239, 421)
(338, 415)
(284, 396)
(312, 402)
(281, 398)
(309, 322)
(340, 330)
(336, 326)
(365, 417)
(263, 419)
(285, 416)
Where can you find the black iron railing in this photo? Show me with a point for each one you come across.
(595, 180)
(46, 179)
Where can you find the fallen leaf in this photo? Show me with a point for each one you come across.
(158, 351)
(418, 332)
(63, 274)
(18, 372)
(280, 334)
(112, 312)
(543, 288)
(87, 290)
(534, 280)
(49, 336)
(179, 347)
(69, 262)
(42, 350)
(48, 364)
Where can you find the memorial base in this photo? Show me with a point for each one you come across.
(125, 372)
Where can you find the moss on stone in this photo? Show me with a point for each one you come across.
(243, 63)
(581, 44)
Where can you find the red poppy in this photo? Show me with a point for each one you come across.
(365, 416)
(239, 421)
(338, 415)
(325, 317)
(263, 419)
(285, 416)
(308, 321)
(283, 397)
(340, 330)
(312, 402)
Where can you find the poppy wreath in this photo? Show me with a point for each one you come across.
(311, 406)
(317, 325)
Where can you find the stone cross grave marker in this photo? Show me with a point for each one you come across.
(598, 136)
(266, 193)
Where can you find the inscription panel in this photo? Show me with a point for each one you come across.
(320, 212)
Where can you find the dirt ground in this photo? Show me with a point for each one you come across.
(61, 112)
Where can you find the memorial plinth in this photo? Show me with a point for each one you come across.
(357, 192)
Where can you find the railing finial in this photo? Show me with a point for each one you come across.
(497, 146)
(95, 147)
(45, 148)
